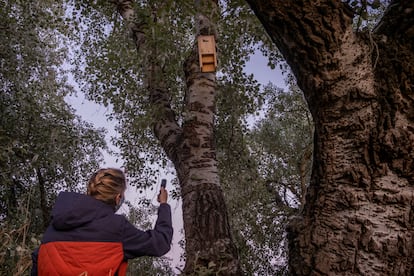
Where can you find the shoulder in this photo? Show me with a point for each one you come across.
(119, 218)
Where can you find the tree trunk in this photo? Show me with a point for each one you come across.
(42, 198)
(209, 247)
(359, 213)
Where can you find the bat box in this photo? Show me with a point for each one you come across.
(207, 54)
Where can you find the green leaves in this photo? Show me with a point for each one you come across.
(44, 146)
(262, 176)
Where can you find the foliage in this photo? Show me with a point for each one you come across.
(115, 73)
(283, 144)
(44, 147)
(263, 180)
(17, 242)
(114, 76)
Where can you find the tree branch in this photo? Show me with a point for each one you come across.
(165, 127)
(398, 21)
(306, 32)
(126, 10)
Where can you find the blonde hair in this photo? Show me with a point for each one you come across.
(106, 184)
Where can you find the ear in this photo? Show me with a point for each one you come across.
(118, 199)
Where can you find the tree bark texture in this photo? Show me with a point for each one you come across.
(358, 218)
(209, 247)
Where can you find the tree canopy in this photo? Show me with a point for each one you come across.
(44, 146)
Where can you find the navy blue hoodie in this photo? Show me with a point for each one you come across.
(82, 218)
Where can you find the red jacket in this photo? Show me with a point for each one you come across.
(57, 258)
(86, 238)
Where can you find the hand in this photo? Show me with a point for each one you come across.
(163, 195)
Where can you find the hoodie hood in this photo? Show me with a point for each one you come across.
(72, 210)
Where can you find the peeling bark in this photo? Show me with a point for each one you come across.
(358, 216)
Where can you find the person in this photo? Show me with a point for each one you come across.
(86, 237)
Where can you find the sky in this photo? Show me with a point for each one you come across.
(97, 115)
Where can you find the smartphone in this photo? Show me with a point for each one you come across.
(163, 183)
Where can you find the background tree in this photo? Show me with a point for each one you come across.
(358, 212)
(270, 164)
(44, 147)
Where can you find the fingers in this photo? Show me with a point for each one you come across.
(163, 195)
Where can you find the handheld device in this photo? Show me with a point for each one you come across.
(163, 183)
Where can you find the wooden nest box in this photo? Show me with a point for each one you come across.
(207, 54)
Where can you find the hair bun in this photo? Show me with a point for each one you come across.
(106, 184)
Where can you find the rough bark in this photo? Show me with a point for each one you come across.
(359, 213)
(190, 146)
